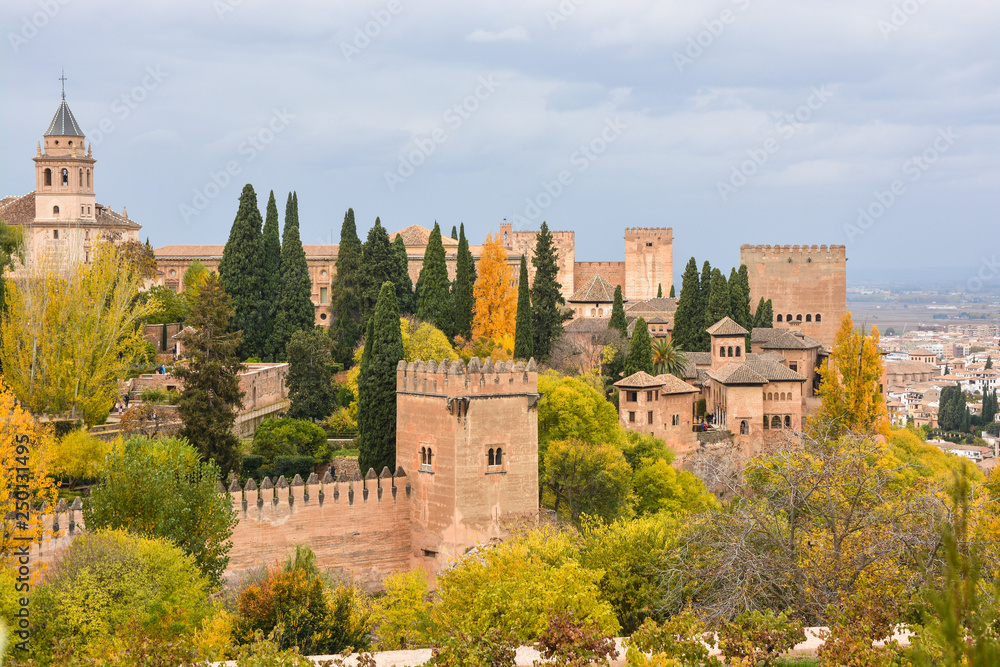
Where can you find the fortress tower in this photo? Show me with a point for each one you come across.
(807, 286)
(649, 262)
(468, 437)
(523, 243)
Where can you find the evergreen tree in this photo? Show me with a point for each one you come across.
(401, 278)
(739, 298)
(523, 339)
(640, 350)
(764, 317)
(672, 294)
(271, 256)
(211, 395)
(454, 231)
(704, 290)
(659, 291)
(465, 280)
(618, 320)
(989, 407)
(546, 296)
(989, 362)
(377, 385)
(295, 311)
(241, 270)
(310, 375)
(378, 265)
(345, 294)
(434, 303)
(688, 319)
(718, 300)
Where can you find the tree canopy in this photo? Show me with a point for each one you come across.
(547, 301)
(242, 272)
(524, 341)
(495, 299)
(377, 385)
(345, 294)
(434, 302)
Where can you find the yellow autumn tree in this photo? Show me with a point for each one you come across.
(70, 333)
(851, 385)
(495, 314)
(25, 453)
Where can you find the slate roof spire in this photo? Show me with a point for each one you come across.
(64, 123)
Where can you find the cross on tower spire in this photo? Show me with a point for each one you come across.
(63, 79)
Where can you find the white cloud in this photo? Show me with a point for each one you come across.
(515, 34)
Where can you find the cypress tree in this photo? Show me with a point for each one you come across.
(378, 265)
(295, 311)
(704, 290)
(454, 231)
(310, 375)
(523, 339)
(672, 295)
(640, 350)
(377, 384)
(345, 298)
(272, 274)
(688, 318)
(739, 298)
(433, 287)
(767, 317)
(241, 271)
(465, 280)
(659, 290)
(718, 300)
(401, 278)
(618, 320)
(546, 296)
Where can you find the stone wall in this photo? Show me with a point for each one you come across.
(613, 272)
(808, 283)
(649, 262)
(523, 243)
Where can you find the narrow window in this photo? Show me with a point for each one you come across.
(430, 456)
(737, 350)
(675, 420)
(55, 211)
(788, 318)
(818, 318)
(788, 421)
(423, 456)
(81, 178)
(88, 178)
(722, 351)
(730, 351)
(766, 422)
(324, 294)
(798, 318)
(48, 177)
(631, 417)
(649, 396)
(65, 176)
(55, 232)
(490, 458)
(499, 459)
(83, 209)
(779, 317)
(649, 417)
(809, 318)
(744, 427)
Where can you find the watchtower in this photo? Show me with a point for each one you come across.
(469, 434)
(649, 261)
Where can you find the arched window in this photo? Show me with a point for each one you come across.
(490, 458)
(818, 317)
(88, 178)
(779, 317)
(65, 176)
(775, 422)
(81, 177)
(423, 456)
(737, 350)
(48, 177)
(767, 422)
(788, 318)
(593, 312)
(768, 396)
(430, 456)
(499, 459)
(600, 312)
(55, 210)
(788, 421)
(798, 318)
(730, 351)
(809, 318)
(722, 350)
(744, 427)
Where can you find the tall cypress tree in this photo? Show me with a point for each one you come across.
(659, 290)
(704, 290)
(618, 320)
(546, 296)
(454, 232)
(688, 318)
(640, 350)
(241, 271)
(296, 311)
(672, 295)
(345, 294)
(434, 303)
(524, 341)
(718, 300)
(378, 265)
(401, 278)
(377, 385)
(272, 274)
(465, 280)
(739, 298)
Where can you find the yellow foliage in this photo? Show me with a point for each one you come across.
(214, 637)
(80, 455)
(426, 342)
(402, 615)
(495, 314)
(25, 456)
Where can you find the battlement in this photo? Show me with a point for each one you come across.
(451, 379)
(645, 232)
(834, 252)
(276, 501)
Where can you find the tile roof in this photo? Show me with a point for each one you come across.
(63, 123)
(660, 305)
(640, 380)
(214, 251)
(107, 218)
(755, 370)
(18, 210)
(790, 340)
(587, 325)
(674, 385)
(417, 235)
(899, 367)
(726, 327)
(763, 334)
(595, 290)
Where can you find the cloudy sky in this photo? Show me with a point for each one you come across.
(872, 123)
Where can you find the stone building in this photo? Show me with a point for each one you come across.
(61, 218)
(807, 286)
(662, 406)
(593, 299)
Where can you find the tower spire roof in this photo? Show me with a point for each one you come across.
(63, 123)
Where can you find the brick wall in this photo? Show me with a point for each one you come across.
(613, 272)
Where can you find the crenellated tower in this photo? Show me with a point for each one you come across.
(649, 262)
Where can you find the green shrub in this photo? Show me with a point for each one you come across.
(759, 638)
(492, 648)
(157, 396)
(569, 643)
(289, 466)
(287, 437)
(677, 642)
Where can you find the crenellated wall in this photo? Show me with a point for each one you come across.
(649, 262)
(613, 272)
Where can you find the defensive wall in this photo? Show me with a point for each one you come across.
(613, 272)
(806, 283)
(649, 262)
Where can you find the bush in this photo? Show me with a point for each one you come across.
(402, 615)
(156, 396)
(79, 455)
(756, 638)
(287, 437)
(568, 643)
(490, 649)
(289, 466)
(250, 467)
(341, 421)
(107, 580)
(677, 642)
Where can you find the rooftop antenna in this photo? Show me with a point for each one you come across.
(63, 79)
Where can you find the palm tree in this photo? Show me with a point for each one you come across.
(667, 359)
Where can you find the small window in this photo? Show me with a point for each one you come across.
(324, 294)
(788, 318)
(631, 417)
(55, 232)
(490, 458)
(81, 178)
(818, 317)
(809, 318)
(744, 427)
(65, 176)
(722, 350)
(631, 396)
(794, 366)
(423, 456)
(55, 211)
(675, 420)
(779, 317)
(499, 458)
(730, 351)
(48, 177)
(737, 350)
(788, 421)
(322, 316)
(775, 422)
(798, 318)
(649, 244)
(649, 396)
(88, 178)
(766, 420)
(649, 417)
